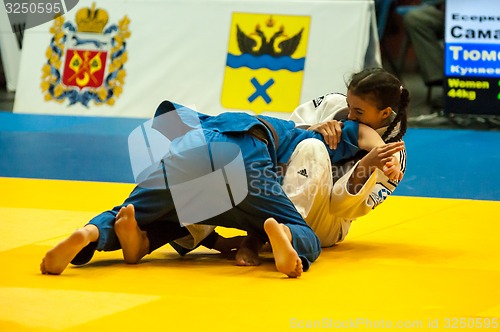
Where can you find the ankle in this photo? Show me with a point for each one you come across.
(91, 232)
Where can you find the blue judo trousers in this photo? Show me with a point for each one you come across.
(152, 197)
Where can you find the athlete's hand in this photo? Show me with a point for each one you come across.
(382, 158)
(392, 169)
(331, 131)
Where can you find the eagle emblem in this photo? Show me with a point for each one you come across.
(265, 62)
(262, 45)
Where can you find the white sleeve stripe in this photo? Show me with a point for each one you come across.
(374, 202)
(402, 156)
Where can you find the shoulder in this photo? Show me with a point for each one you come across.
(333, 107)
(331, 99)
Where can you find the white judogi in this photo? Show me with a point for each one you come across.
(318, 190)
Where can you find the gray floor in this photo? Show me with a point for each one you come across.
(431, 113)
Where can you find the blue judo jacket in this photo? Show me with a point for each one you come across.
(283, 134)
(286, 136)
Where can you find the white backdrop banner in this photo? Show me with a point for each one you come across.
(122, 58)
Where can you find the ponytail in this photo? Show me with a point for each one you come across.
(401, 118)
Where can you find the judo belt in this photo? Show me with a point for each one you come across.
(259, 133)
(262, 135)
(281, 168)
(272, 131)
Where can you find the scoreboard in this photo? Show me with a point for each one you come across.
(472, 57)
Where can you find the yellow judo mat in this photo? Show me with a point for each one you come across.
(412, 264)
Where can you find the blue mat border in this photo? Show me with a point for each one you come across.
(442, 163)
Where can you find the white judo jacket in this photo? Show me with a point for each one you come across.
(319, 190)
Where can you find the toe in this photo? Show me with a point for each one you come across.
(42, 267)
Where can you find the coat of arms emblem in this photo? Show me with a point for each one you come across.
(86, 62)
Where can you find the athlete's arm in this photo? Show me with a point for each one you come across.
(331, 131)
(378, 157)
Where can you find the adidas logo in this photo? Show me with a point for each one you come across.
(303, 172)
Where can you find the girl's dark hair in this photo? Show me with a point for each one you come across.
(384, 90)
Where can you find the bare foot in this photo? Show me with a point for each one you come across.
(248, 253)
(285, 257)
(133, 240)
(58, 258)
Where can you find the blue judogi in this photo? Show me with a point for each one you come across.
(265, 197)
(287, 135)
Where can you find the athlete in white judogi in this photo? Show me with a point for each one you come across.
(329, 197)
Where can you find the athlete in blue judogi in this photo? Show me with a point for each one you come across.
(264, 143)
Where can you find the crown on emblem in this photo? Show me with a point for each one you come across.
(91, 19)
(270, 22)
